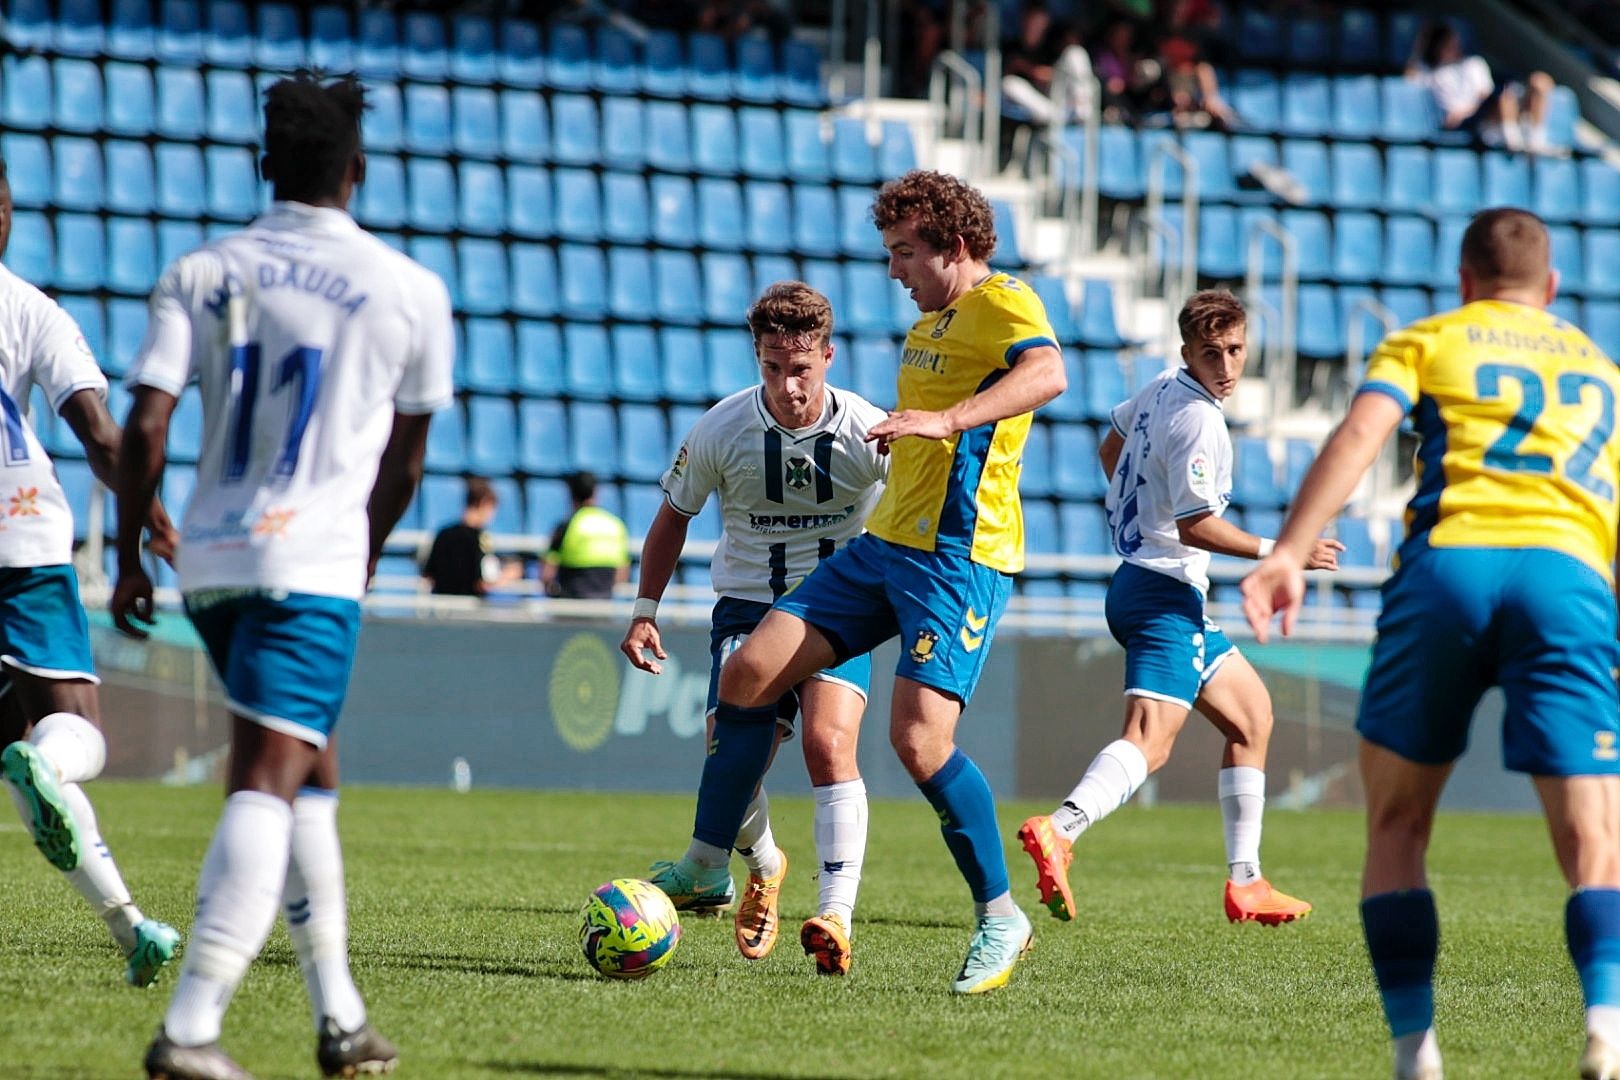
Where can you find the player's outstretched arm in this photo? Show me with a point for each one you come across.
(1215, 534)
(140, 469)
(1278, 584)
(398, 473)
(659, 553)
(1035, 379)
(86, 414)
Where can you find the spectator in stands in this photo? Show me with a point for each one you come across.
(732, 19)
(1129, 80)
(590, 552)
(1470, 100)
(1044, 52)
(461, 561)
(1192, 92)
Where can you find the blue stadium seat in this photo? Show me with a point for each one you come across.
(1409, 179)
(1555, 189)
(626, 217)
(674, 211)
(1215, 179)
(534, 281)
(1256, 97)
(1104, 384)
(1447, 246)
(129, 31)
(279, 43)
(714, 140)
(867, 295)
(385, 119)
(1254, 474)
(176, 238)
(447, 441)
(668, 143)
(591, 427)
(1059, 311)
(130, 109)
(546, 505)
(1355, 107)
(637, 373)
(624, 143)
(825, 276)
(179, 34)
(1566, 307)
(1456, 181)
(772, 268)
(185, 439)
(1076, 471)
(643, 455)
(432, 188)
(1601, 321)
(525, 131)
(761, 152)
(1401, 31)
(482, 193)
(1297, 458)
(708, 70)
(439, 501)
(229, 41)
(80, 252)
(755, 77)
(1307, 105)
(1358, 175)
(331, 40)
(1407, 110)
(1313, 243)
(678, 286)
(767, 213)
(427, 119)
(476, 120)
(485, 285)
(1602, 262)
(179, 103)
(490, 367)
(491, 436)
(1565, 246)
(1354, 313)
(800, 75)
(588, 363)
(472, 57)
(231, 116)
(808, 157)
(1356, 536)
(641, 505)
(1168, 167)
(76, 95)
(686, 373)
(76, 173)
(1358, 247)
(233, 183)
(539, 357)
(854, 158)
(896, 153)
(720, 214)
(424, 53)
(815, 217)
(732, 365)
(1562, 112)
(663, 70)
(858, 238)
(1085, 530)
(568, 58)
(1600, 193)
(1260, 36)
(1099, 326)
(1040, 537)
(579, 205)
(126, 328)
(28, 25)
(1119, 166)
(377, 52)
(727, 288)
(868, 369)
(1220, 254)
(381, 199)
(28, 159)
(1408, 251)
(631, 286)
(519, 61)
(1071, 404)
(1307, 159)
(91, 320)
(179, 179)
(616, 68)
(1505, 179)
(1321, 330)
(438, 255)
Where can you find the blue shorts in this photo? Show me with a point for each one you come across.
(43, 629)
(943, 606)
(734, 620)
(1536, 622)
(284, 658)
(1171, 649)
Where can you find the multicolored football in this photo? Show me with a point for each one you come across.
(629, 929)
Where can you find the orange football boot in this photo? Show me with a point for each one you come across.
(1259, 902)
(1052, 855)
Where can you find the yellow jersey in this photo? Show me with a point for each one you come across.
(960, 494)
(1516, 412)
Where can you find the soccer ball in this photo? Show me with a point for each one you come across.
(629, 929)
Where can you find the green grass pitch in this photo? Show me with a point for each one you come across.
(464, 936)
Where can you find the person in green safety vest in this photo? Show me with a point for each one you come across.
(590, 552)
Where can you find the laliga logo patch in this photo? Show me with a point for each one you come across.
(943, 323)
(1198, 469)
(798, 473)
(922, 650)
(679, 467)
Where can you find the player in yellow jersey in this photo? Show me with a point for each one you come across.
(935, 566)
(1505, 578)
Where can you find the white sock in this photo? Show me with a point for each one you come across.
(1112, 778)
(702, 856)
(1604, 1022)
(97, 877)
(754, 840)
(238, 892)
(72, 744)
(1000, 906)
(1243, 806)
(840, 828)
(316, 911)
(1416, 1052)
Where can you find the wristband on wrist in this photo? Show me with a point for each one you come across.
(645, 608)
(1267, 545)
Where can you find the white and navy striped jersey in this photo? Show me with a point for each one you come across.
(306, 334)
(41, 345)
(1176, 463)
(788, 499)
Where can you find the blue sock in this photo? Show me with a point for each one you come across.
(1403, 939)
(738, 754)
(967, 817)
(1592, 926)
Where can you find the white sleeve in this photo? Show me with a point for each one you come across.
(1120, 415)
(1197, 463)
(164, 361)
(61, 360)
(691, 478)
(428, 384)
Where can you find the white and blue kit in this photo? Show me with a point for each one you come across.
(306, 335)
(1176, 463)
(43, 629)
(788, 499)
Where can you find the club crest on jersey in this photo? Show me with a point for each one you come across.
(922, 650)
(943, 323)
(273, 522)
(798, 473)
(25, 503)
(1606, 748)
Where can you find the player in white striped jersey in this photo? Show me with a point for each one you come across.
(321, 354)
(796, 479)
(49, 705)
